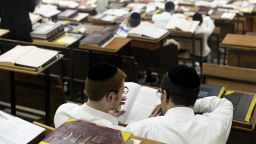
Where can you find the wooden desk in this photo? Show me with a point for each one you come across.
(3, 32)
(113, 47)
(18, 69)
(245, 42)
(238, 42)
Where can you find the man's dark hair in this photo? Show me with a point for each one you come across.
(198, 17)
(182, 85)
(169, 6)
(101, 79)
(134, 19)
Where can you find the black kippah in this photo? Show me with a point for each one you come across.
(184, 77)
(169, 6)
(135, 15)
(102, 71)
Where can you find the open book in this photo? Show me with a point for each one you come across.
(182, 24)
(140, 102)
(147, 30)
(28, 56)
(14, 130)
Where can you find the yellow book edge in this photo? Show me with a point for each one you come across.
(250, 110)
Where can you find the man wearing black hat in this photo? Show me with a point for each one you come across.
(179, 124)
(104, 87)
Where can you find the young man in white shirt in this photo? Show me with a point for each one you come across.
(206, 27)
(161, 20)
(102, 6)
(104, 87)
(178, 123)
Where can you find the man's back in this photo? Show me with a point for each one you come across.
(181, 125)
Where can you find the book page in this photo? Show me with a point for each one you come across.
(14, 130)
(36, 58)
(140, 102)
(148, 30)
(142, 107)
(14, 54)
(131, 96)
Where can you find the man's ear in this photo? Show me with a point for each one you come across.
(110, 97)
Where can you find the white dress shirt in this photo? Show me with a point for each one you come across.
(161, 20)
(206, 28)
(181, 126)
(84, 112)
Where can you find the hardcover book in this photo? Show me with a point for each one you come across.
(48, 31)
(86, 133)
(67, 14)
(28, 56)
(243, 104)
(210, 90)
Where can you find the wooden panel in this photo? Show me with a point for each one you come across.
(230, 72)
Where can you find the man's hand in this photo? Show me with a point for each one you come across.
(157, 111)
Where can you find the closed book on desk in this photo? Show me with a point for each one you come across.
(98, 38)
(210, 90)
(14, 130)
(140, 102)
(67, 14)
(82, 132)
(28, 56)
(48, 31)
(244, 108)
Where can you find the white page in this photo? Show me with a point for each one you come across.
(80, 16)
(228, 15)
(14, 130)
(131, 96)
(142, 107)
(140, 102)
(109, 18)
(148, 30)
(47, 10)
(14, 54)
(37, 57)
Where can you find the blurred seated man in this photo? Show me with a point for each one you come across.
(176, 121)
(206, 27)
(104, 87)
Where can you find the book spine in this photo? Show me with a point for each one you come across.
(55, 33)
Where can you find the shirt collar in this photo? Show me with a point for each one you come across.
(100, 114)
(180, 111)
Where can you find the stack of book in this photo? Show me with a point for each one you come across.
(48, 31)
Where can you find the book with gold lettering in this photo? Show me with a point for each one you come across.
(87, 133)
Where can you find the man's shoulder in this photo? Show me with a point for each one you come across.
(68, 106)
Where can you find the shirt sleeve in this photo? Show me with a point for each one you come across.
(219, 112)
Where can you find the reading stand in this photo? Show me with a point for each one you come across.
(30, 71)
(238, 79)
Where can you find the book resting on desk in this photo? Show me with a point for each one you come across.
(244, 104)
(98, 38)
(48, 31)
(87, 133)
(28, 56)
(14, 130)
